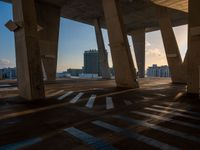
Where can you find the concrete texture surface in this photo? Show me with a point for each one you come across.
(157, 116)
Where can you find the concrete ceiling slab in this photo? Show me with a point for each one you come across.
(181, 5)
(136, 13)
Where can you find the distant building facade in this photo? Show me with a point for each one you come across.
(158, 71)
(8, 73)
(91, 62)
(91, 68)
(74, 72)
(112, 71)
(1, 75)
(64, 74)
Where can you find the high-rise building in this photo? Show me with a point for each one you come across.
(91, 62)
(156, 71)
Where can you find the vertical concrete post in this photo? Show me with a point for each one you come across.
(103, 55)
(125, 74)
(29, 70)
(185, 67)
(193, 47)
(48, 17)
(170, 44)
(138, 38)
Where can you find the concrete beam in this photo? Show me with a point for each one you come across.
(138, 37)
(125, 74)
(48, 17)
(171, 46)
(29, 70)
(103, 55)
(193, 47)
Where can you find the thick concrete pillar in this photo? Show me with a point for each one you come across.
(125, 74)
(29, 70)
(138, 38)
(103, 55)
(185, 67)
(48, 17)
(170, 44)
(194, 47)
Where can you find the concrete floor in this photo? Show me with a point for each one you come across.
(156, 116)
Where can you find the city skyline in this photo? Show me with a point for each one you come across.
(77, 37)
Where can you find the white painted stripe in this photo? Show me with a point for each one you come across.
(159, 128)
(172, 112)
(21, 144)
(147, 98)
(128, 102)
(170, 103)
(65, 95)
(167, 119)
(109, 103)
(5, 85)
(76, 98)
(40, 109)
(90, 102)
(134, 135)
(9, 89)
(162, 95)
(180, 94)
(180, 110)
(48, 91)
(93, 141)
(158, 88)
(55, 93)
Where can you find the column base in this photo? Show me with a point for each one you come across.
(193, 95)
(179, 82)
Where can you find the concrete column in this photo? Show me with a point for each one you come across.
(138, 38)
(29, 70)
(194, 47)
(103, 55)
(171, 46)
(125, 74)
(48, 17)
(185, 67)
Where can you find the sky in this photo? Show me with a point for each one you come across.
(75, 38)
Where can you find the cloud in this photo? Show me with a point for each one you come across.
(155, 56)
(5, 63)
(148, 44)
(61, 68)
(154, 52)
